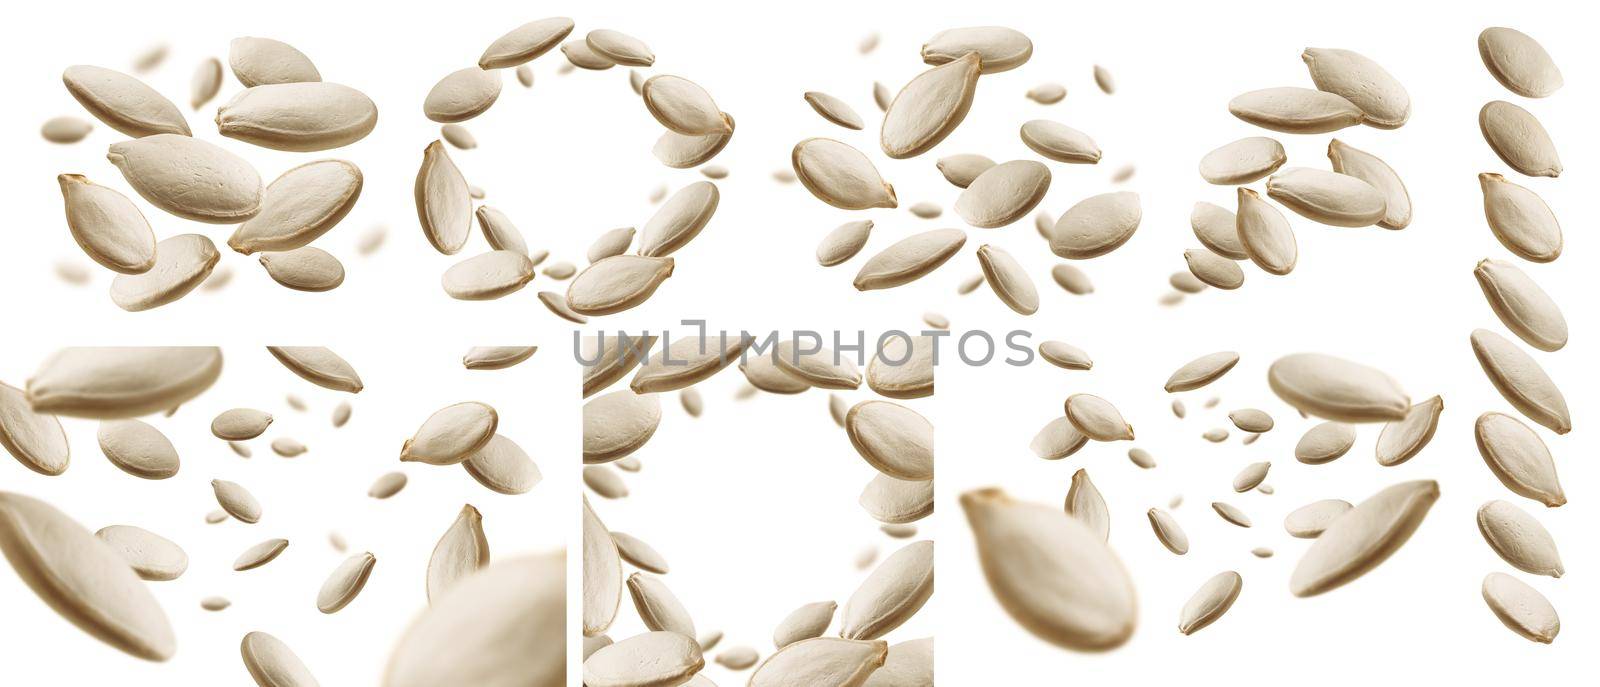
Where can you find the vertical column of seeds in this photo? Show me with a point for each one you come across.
(283, 514)
(766, 524)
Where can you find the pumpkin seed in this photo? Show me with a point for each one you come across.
(579, 54)
(610, 244)
(503, 467)
(524, 43)
(1231, 513)
(260, 61)
(1325, 443)
(1355, 77)
(118, 382)
(1085, 504)
(687, 362)
(999, 48)
(895, 439)
(260, 554)
(834, 110)
(123, 102)
(909, 664)
(843, 242)
(897, 501)
(1242, 161)
(1060, 142)
(652, 658)
(458, 136)
(1096, 225)
(1337, 389)
(1518, 457)
(462, 551)
(387, 485)
(1102, 78)
(1251, 476)
(602, 574)
(1201, 371)
(1520, 379)
(107, 226)
(1327, 197)
(507, 619)
(462, 95)
(1058, 439)
(65, 129)
(611, 361)
(605, 482)
(1064, 355)
(1097, 419)
(1055, 576)
(319, 366)
(1519, 139)
(298, 117)
(1369, 168)
(881, 96)
(215, 603)
(1296, 110)
(1009, 279)
(345, 583)
(840, 175)
(1168, 532)
(1520, 219)
(452, 434)
(1003, 193)
(891, 594)
(617, 424)
(620, 47)
(930, 107)
(444, 204)
(189, 178)
(272, 663)
(300, 206)
(307, 268)
(1214, 270)
(822, 660)
(678, 151)
(237, 501)
(1363, 538)
(488, 276)
(1519, 539)
(1310, 520)
(182, 263)
(496, 357)
(1141, 458)
(35, 439)
(138, 449)
(1217, 230)
(82, 578)
(960, 170)
(1251, 420)
(1522, 306)
(1210, 602)
(683, 106)
(1402, 439)
(1519, 63)
(909, 259)
(151, 556)
(1072, 279)
(1521, 608)
(679, 220)
(639, 554)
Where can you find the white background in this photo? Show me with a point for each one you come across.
(570, 158)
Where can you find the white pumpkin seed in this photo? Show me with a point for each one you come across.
(1519, 139)
(319, 366)
(605, 482)
(1168, 532)
(909, 664)
(1522, 306)
(458, 136)
(35, 439)
(1097, 419)
(602, 574)
(503, 467)
(260, 554)
(1102, 78)
(488, 276)
(1141, 458)
(962, 169)
(821, 368)
(1521, 608)
(151, 556)
(452, 434)
(1337, 389)
(678, 151)
(496, 357)
(620, 47)
(1310, 520)
(1518, 457)
(272, 664)
(82, 578)
(298, 117)
(659, 609)
(1055, 576)
(524, 43)
(651, 659)
(1518, 62)
(682, 106)
(215, 603)
(822, 660)
(1242, 161)
(345, 583)
(897, 501)
(123, 102)
(1058, 439)
(1251, 476)
(387, 485)
(763, 373)
(507, 619)
(107, 226)
(843, 242)
(1072, 279)
(299, 206)
(688, 361)
(1519, 539)
(1328, 197)
(183, 262)
(1231, 513)
(881, 96)
(237, 501)
(1096, 225)
(840, 175)
(580, 55)
(891, 594)
(258, 61)
(65, 129)
(1520, 379)
(1355, 77)
(610, 244)
(1060, 142)
(929, 107)
(1217, 230)
(1251, 420)
(1085, 504)
(999, 48)
(1210, 602)
(1009, 280)
(895, 439)
(1402, 439)
(138, 449)
(1520, 219)
(1202, 371)
(617, 424)
(1214, 270)
(1064, 355)
(444, 204)
(462, 95)
(189, 178)
(1003, 193)
(679, 220)
(307, 268)
(462, 551)
(607, 360)
(1363, 538)
(1325, 443)
(1047, 93)
(834, 110)
(909, 259)
(123, 381)
(1367, 167)
(1296, 110)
